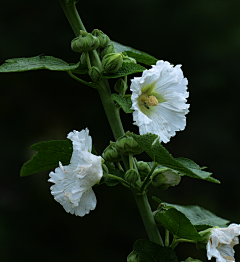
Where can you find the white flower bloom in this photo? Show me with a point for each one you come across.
(159, 100)
(73, 183)
(221, 242)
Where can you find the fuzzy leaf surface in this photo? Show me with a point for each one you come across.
(48, 156)
(159, 154)
(151, 252)
(126, 69)
(201, 218)
(139, 56)
(125, 103)
(177, 224)
(35, 63)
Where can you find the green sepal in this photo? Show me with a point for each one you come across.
(151, 145)
(126, 69)
(177, 223)
(201, 218)
(36, 63)
(139, 56)
(48, 155)
(151, 252)
(124, 102)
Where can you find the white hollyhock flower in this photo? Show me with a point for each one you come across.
(159, 100)
(73, 183)
(221, 242)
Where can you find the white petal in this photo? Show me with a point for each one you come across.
(169, 116)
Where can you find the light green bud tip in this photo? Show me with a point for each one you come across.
(112, 62)
(85, 42)
(133, 257)
(108, 50)
(126, 145)
(121, 86)
(103, 38)
(111, 154)
(143, 167)
(163, 178)
(127, 59)
(131, 176)
(95, 74)
(83, 59)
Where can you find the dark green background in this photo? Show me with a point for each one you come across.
(202, 35)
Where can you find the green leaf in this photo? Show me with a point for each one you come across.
(141, 57)
(201, 218)
(126, 69)
(124, 102)
(81, 69)
(109, 181)
(177, 224)
(35, 63)
(48, 156)
(150, 143)
(152, 252)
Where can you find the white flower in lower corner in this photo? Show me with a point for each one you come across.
(73, 183)
(221, 242)
(159, 100)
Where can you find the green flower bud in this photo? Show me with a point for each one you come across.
(83, 59)
(127, 59)
(133, 257)
(121, 86)
(111, 154)
(95, 74)
(103, 38)
(112, 62)
(131, 176)
(163, 178)
(85, 42)
(143, 167)
(108, 50)
(189, 259)
(206, 235)
(126, 145)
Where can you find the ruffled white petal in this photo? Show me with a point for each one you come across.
(221, 243)
(169, 116)
(73, 183)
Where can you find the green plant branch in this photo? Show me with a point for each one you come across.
(148, 177)
(80, 80)
(119, 179)
(69, 8)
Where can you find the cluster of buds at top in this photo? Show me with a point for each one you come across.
(89, 41)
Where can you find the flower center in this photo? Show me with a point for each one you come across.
(147, 101)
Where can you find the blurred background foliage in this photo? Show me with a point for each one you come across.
(203, 36)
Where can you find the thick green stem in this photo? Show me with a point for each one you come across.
(147, 217)
(114, 120)
(72, 15)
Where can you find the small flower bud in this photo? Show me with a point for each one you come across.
(85, 42)
(131, 176)
(127, 59)
(112, 62)
(95, 74)
(121, 86)
(111, 154)
(126, 145)
(83, 59)
(163, 178)
(133, 257)
(143, 168)
(108, 50)
(103, 38)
